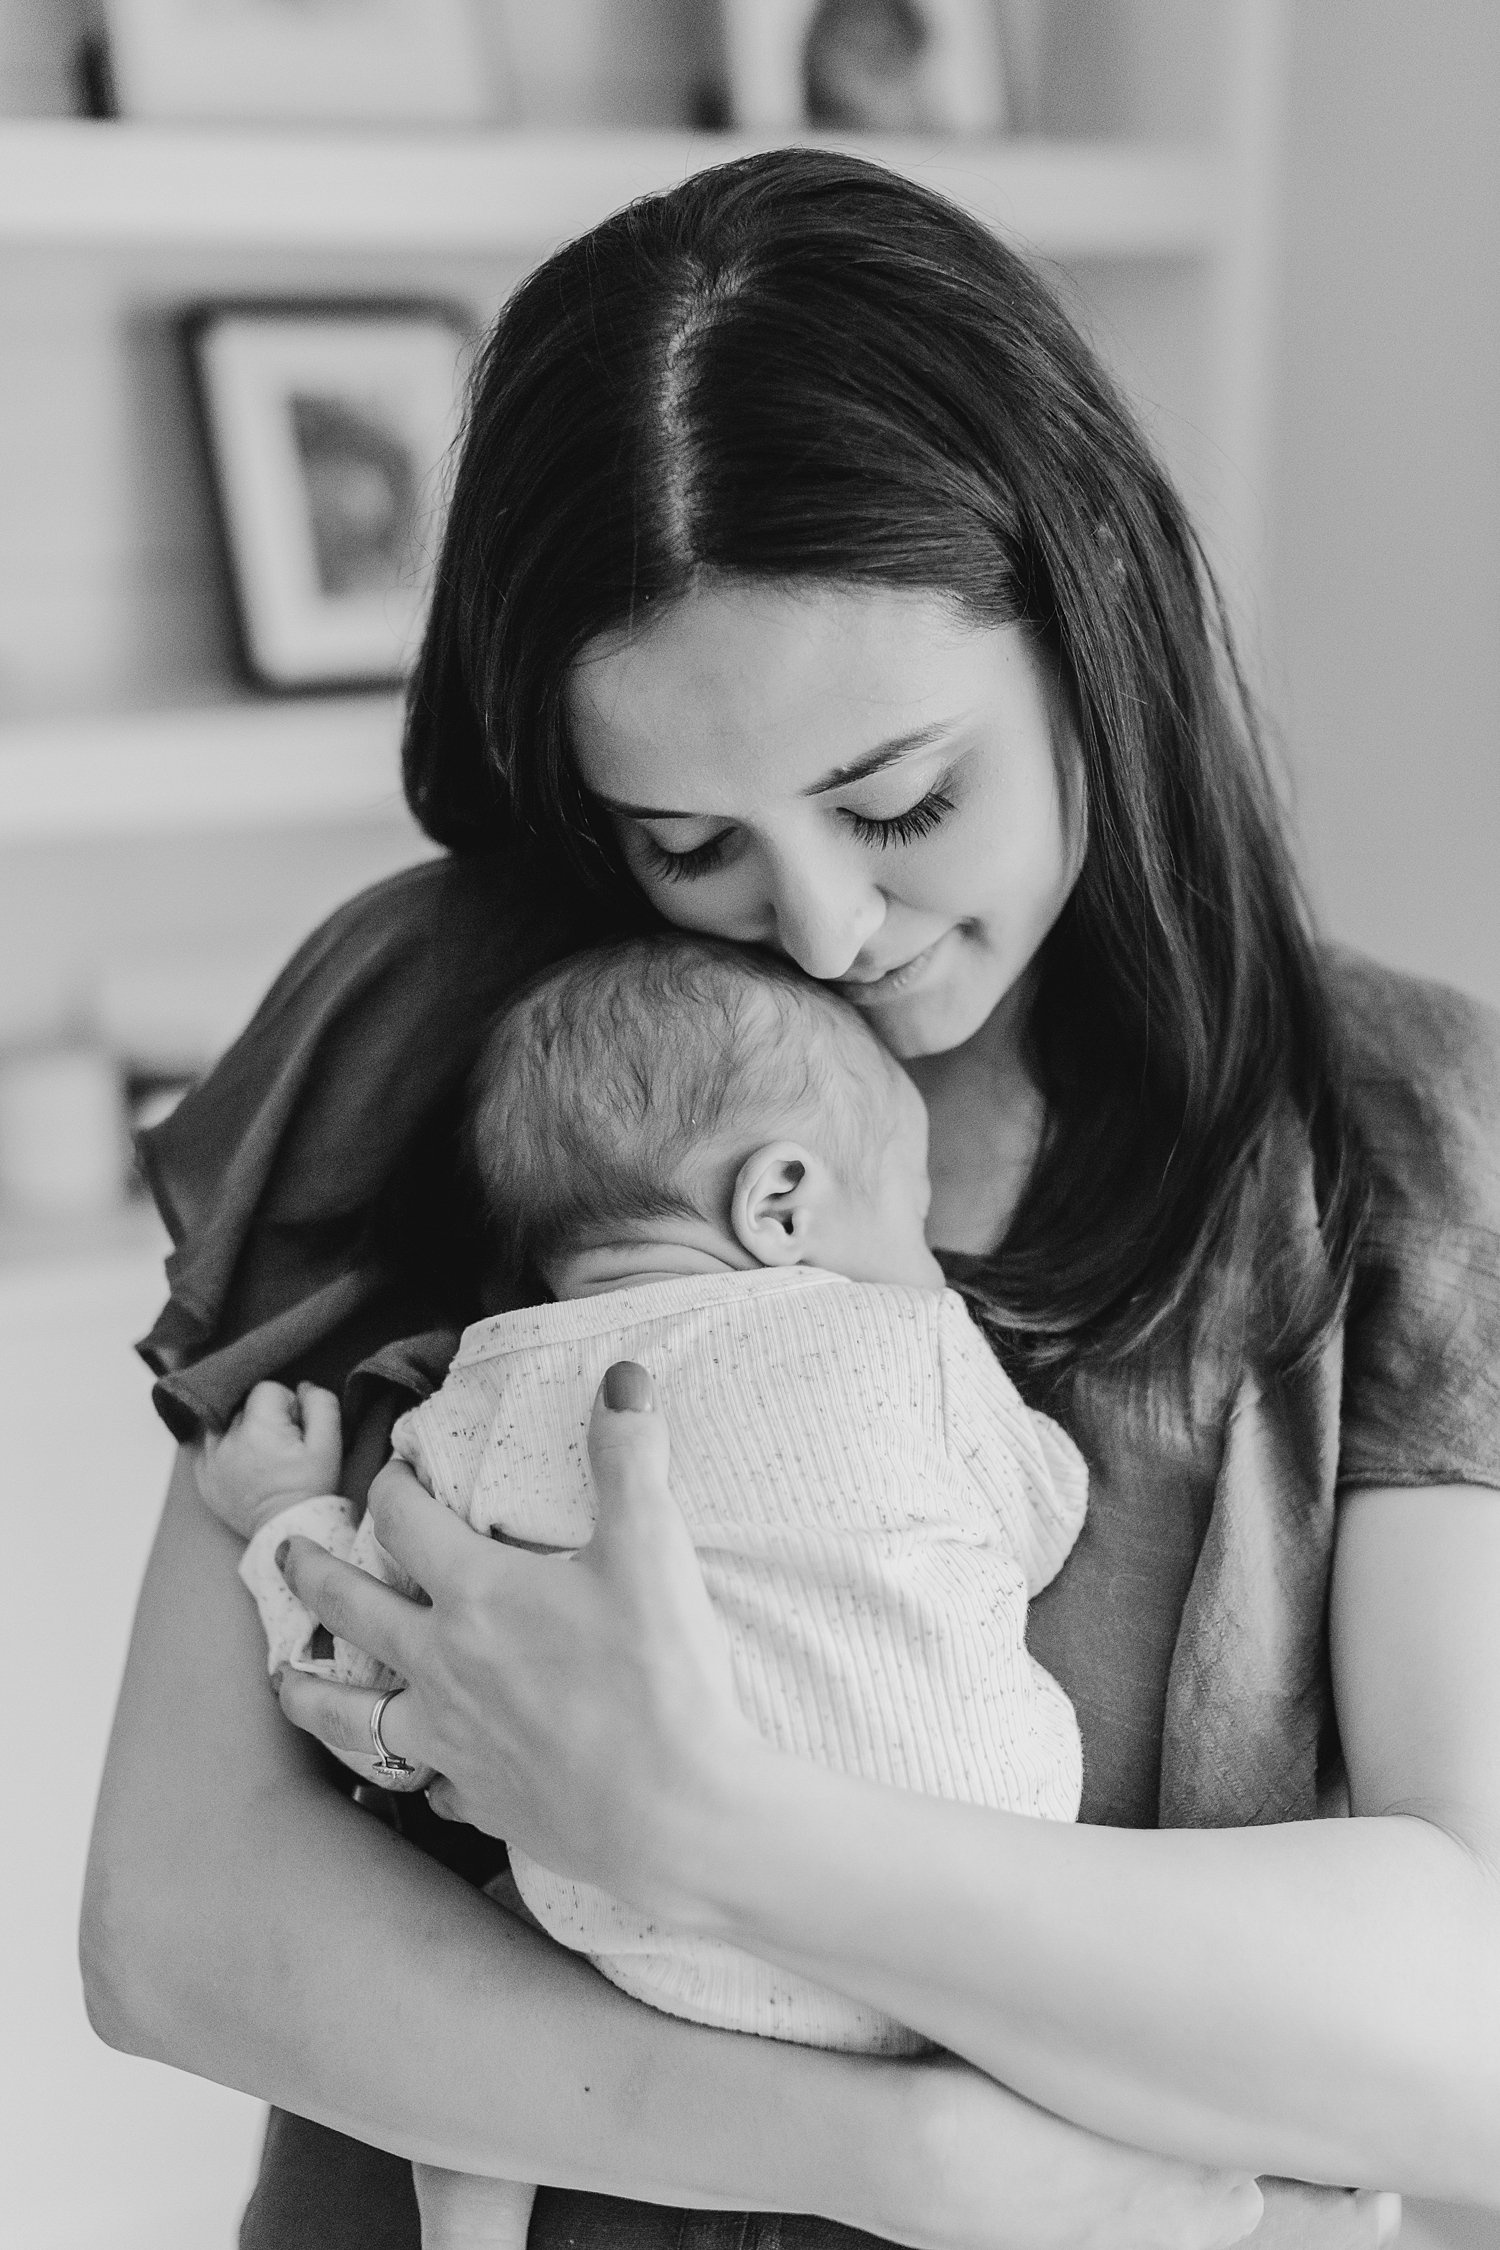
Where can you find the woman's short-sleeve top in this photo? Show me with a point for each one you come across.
(324, 1226)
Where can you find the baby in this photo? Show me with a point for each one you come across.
(717, 1170)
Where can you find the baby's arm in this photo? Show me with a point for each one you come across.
(273, 1474)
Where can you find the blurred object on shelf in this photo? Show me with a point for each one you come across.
(150, 1098)
(63, 1147)
(328, 428)
(419, 62)
(167, 1013)
(610, 64)
(71, 1105)
(38, 42)
(888, 66)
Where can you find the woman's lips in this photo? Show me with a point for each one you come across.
(868, 992)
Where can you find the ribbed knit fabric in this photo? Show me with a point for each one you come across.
(292, 1632)
(872, 1505)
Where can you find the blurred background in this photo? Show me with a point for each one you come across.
(243, 248)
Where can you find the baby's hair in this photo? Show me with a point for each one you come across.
(607, 1086)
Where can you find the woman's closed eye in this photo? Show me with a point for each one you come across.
(897, 828)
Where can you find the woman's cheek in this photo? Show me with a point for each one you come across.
(671, 896)
(705, 903)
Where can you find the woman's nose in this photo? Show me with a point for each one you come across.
(824, 918)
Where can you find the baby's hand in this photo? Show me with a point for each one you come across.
(281, 1446)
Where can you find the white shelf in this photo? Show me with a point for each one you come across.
(70, 183)
(242, 765)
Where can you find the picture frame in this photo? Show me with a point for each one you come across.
(319, 62)
(889, 66)
(327, 429)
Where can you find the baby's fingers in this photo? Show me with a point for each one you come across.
(322, 1424)
(270, 1407)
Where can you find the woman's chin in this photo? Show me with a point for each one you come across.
(935, 1021)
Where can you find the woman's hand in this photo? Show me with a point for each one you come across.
(608, 1667)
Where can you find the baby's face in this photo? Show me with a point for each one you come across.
(875, 1229)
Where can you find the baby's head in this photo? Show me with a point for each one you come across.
(673, 1099)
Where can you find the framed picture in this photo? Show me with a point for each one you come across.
(327, 430)
(879, 66)
(296, 61)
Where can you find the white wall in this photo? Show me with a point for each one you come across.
(98, 2151)
(1385, 601)
(1383, 627)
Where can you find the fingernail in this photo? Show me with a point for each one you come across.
(627, 1388)
(281, 1554)
(1387, 2218)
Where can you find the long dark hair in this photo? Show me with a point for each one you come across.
(801, 365)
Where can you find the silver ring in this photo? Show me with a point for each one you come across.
(388, 1767)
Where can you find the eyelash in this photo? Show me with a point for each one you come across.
(903, 828)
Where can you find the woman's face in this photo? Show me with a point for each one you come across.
(860, 778)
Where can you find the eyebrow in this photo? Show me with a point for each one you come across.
(859, 769)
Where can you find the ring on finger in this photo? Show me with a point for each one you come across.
(388, 1765)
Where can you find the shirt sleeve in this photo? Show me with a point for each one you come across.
(312, 1183)
(1027, 1467)
(1421, 1398)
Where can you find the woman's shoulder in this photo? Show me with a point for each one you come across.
(1414, 1047)
(1422, 1346)
(310, 1181)
(354, 1035)
(1422, 1068)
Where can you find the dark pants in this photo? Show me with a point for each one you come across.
(320, 2191)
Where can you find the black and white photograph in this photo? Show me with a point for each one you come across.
(877, 66)
(750, 1126)
(297, 61)
(328, 432)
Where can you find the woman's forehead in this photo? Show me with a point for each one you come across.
(771, 686)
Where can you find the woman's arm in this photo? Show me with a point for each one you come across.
(1318, 2000)
(242, 1920)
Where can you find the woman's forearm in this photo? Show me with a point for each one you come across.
(1319, 2001)
(246, 1923)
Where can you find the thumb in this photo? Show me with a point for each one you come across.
(321, 1424)
(641, 1544)
(629, 1454)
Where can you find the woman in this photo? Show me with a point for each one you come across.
(805, 582)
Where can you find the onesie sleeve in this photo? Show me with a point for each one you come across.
(1027, 1467)
(1421, 1394)
(443, 1439)
(293, 1634)
(290, 1627)
(311, 1183)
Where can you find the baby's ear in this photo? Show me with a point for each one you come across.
(780, 1192)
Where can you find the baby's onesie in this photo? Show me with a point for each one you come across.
(872, 1506)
